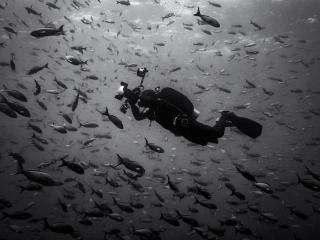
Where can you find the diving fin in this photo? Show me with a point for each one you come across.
(246, 125)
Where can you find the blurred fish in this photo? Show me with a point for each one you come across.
(209, 20)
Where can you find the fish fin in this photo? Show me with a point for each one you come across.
(22, 189)
(308, 170)
(46, 225)
(179, 214)
(198, 13)
(197, 201)
(299, 180)
(4, 215)
(221, 223)
(120, 161)
(2, 99)
(61, 28)
(64, 163)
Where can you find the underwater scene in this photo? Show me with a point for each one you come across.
(159, 119)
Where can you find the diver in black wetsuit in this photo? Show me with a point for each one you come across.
(175, 112)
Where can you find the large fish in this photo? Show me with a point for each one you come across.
(209, 20)
(45, 32)
(116, 121)
(17, 107)
(8, 111)
(14, 93)
(72, 166)
(131, 165)
(153, 147)
(37, 69)
(59, 227)
(36, 176)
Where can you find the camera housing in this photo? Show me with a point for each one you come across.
(141, 72)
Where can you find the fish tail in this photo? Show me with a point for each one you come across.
(161, 217)
(39, 14)
(114, 201)
(22, 189)
(308, 170)
(146, 142)
(198, 13)
(19, 169)
(197, 201)
(45, 225)
(63, 163)
(93, 191)
(299, 180)
(4, 215)
(46, 66)
(179, 214)
(2, 99)
(314, 209)
(61, 28)
(232, 193)
(221, 223)
(120, 161)
(85, 62)
(80, 125)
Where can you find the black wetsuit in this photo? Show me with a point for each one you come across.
(164, 114)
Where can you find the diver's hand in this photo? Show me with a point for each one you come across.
(137, 91)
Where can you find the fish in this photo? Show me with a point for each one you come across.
(124, 2)
(169, 219)
(154, 147)
(131, 165)
(75, 102)
(88, 125)
(169, 15)
(35, 176)
(35, 128)
(116, 121)
(16, 215)
(8, 111)
(223, 89)
(209, 20)
(17, 107)
(37, 88)
(61, 84)
(59, 129)
(72, 166)
(59, 227)
(8, 29)
(37, 69)
(75, 61)
(172, 186)
(205, 204)
(46, 32)
(41, 104)
(214, 4)
(310, 184)
(31, 10)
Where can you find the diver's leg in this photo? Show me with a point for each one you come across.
(221, 124)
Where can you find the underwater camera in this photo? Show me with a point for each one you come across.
(141, 72)
(124, 107)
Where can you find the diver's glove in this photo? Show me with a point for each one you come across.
(131, 95)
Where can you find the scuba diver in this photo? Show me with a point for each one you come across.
(176, 113)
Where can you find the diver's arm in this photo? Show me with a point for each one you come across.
(136, 113)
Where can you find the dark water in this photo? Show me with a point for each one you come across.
(278, 145)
